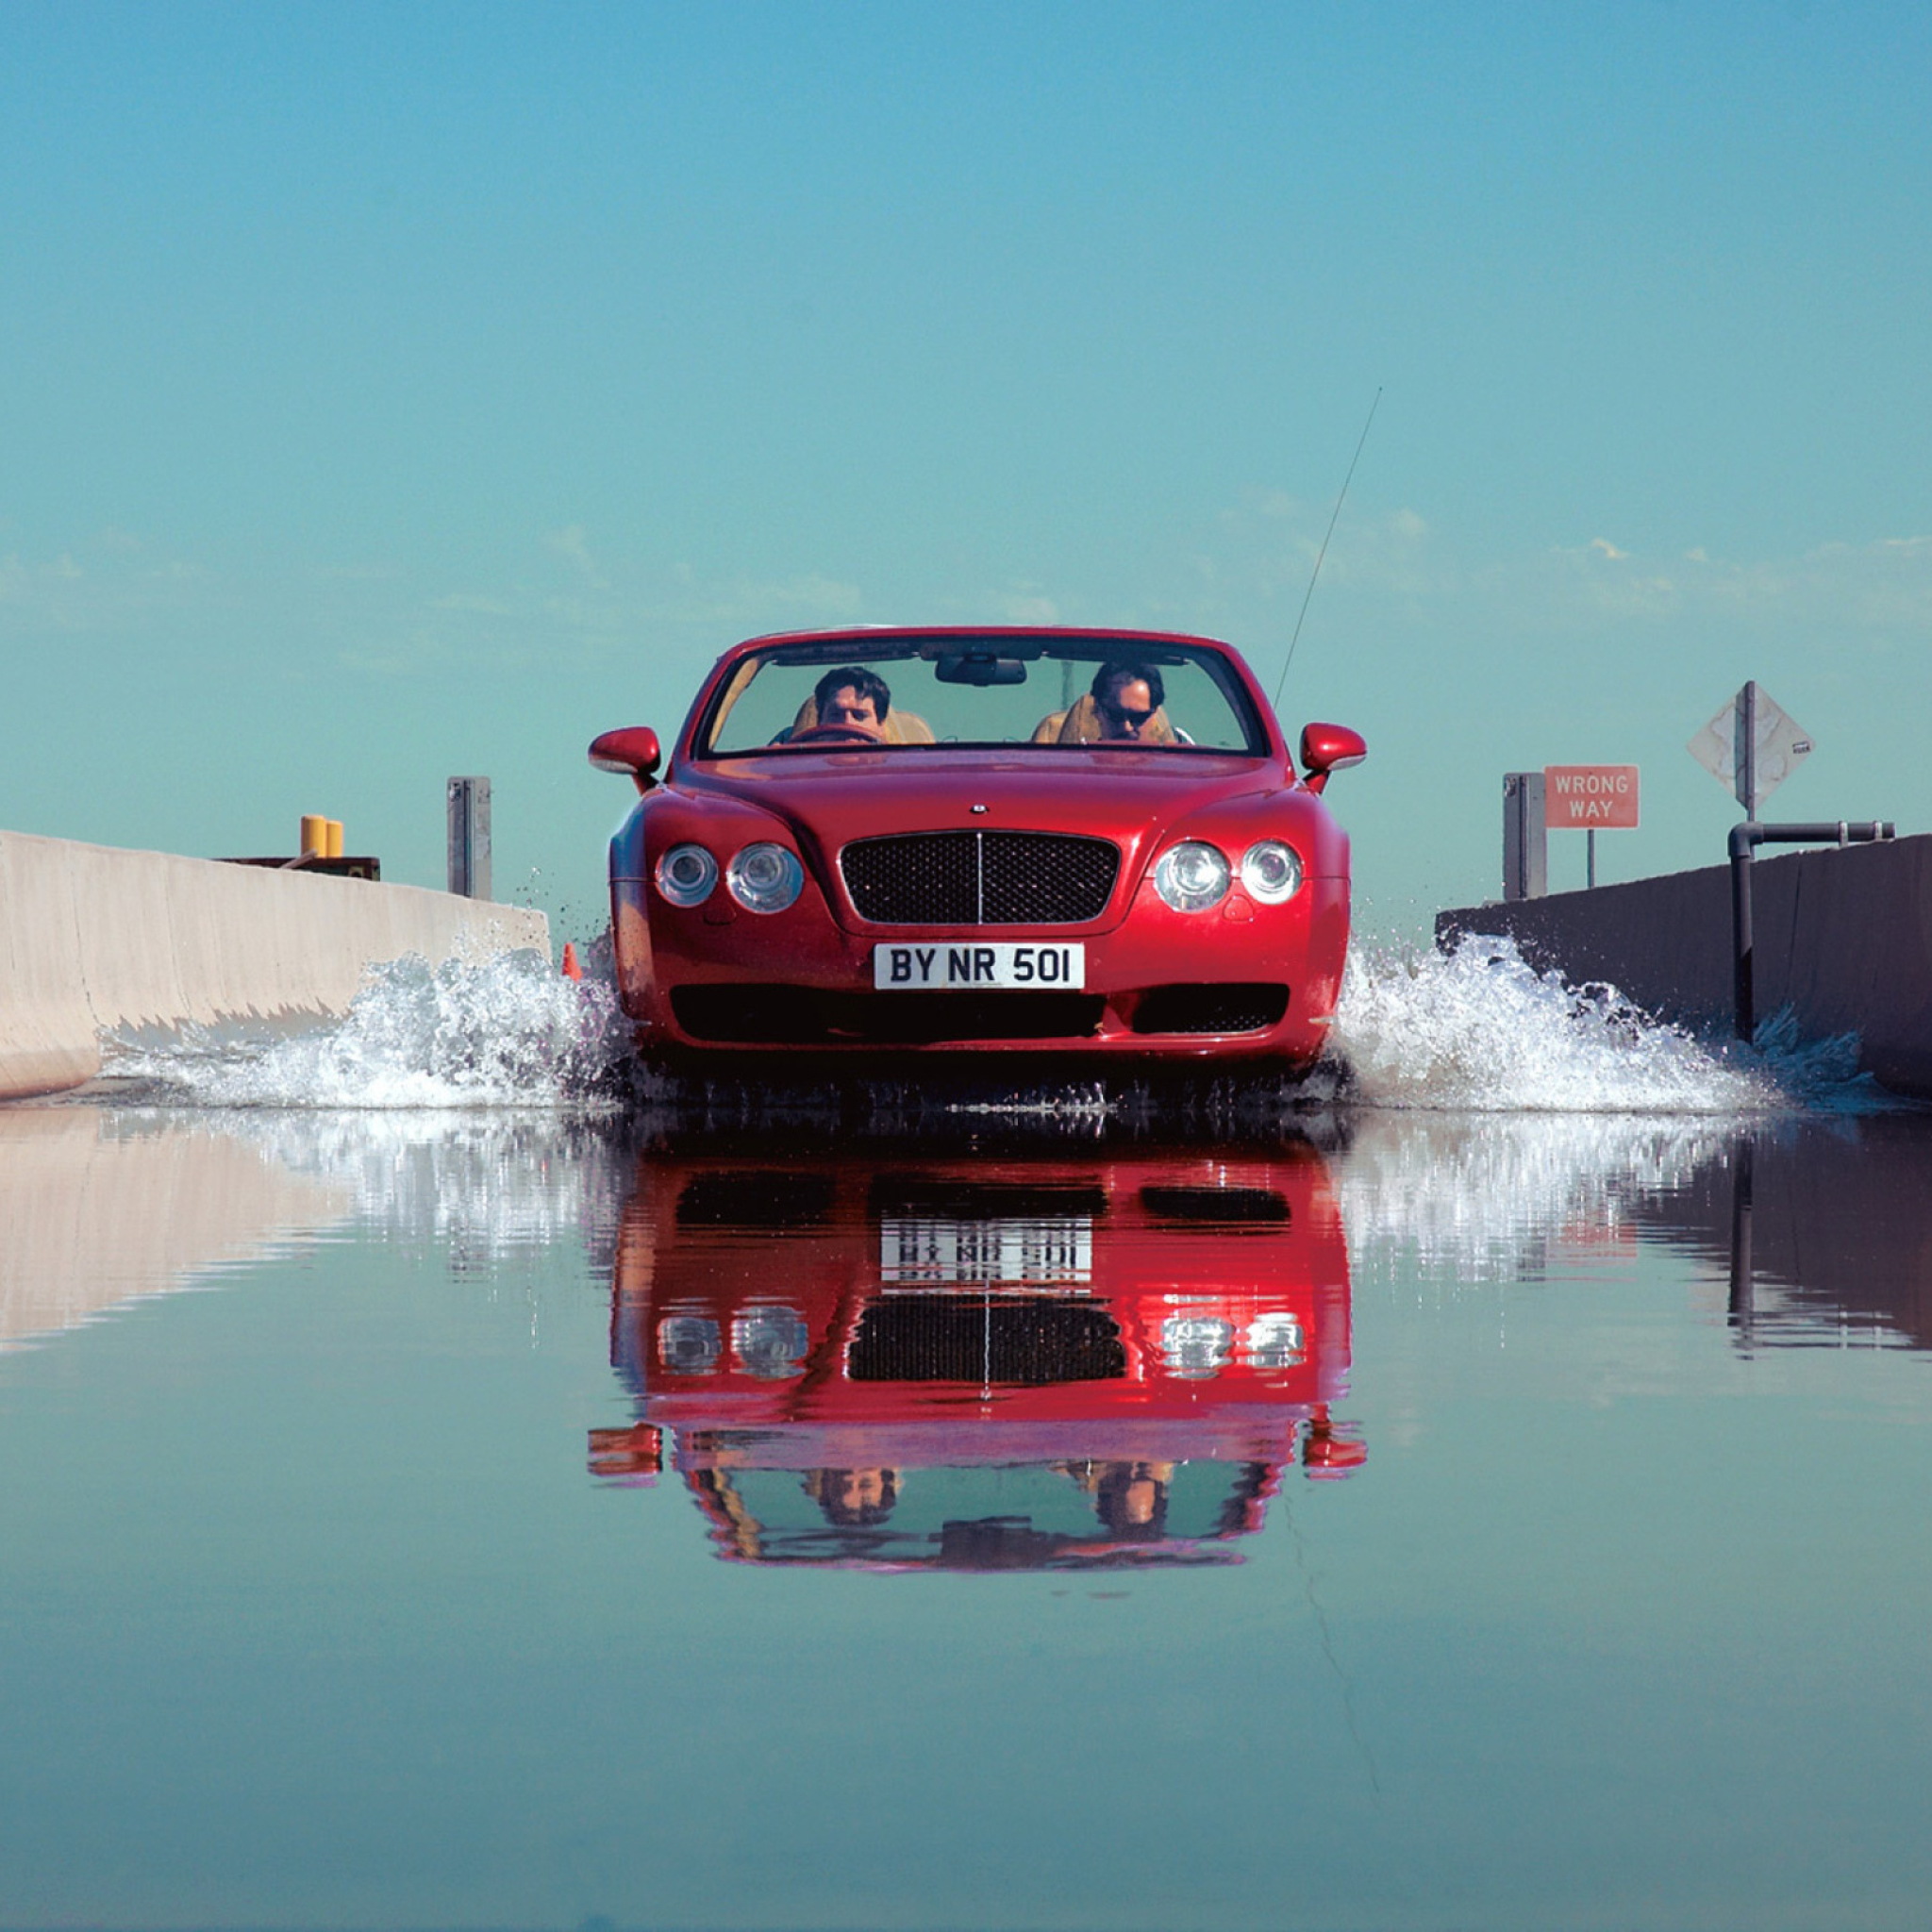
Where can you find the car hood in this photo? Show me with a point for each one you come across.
(1123, 795)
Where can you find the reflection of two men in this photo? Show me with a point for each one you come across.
(1129, 1498)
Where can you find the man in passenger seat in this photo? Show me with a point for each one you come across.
(1122, 706)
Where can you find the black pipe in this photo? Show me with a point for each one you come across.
(1745, 838)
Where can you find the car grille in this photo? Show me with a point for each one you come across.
(980, 878)
(1026, 1341)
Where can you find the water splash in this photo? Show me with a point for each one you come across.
(504, 1032)
(1479, 1029)
(1476, 1029)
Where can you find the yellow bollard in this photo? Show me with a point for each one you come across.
(335, 839)
(314, 836)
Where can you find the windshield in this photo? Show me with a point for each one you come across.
(1050, 692)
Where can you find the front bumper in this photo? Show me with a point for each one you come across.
(1243, 981)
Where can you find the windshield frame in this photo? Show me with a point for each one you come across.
(1229, 676)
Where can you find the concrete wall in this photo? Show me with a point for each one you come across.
(94, 939)
(1842, 936)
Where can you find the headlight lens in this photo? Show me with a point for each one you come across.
(1271, 871)
(1191, 876)
(770, 1344)
(765, 878)
(687, 1344)
(1195, 1346)
(1275, 1341)
(686, 875)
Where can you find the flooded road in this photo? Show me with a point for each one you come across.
(1381, 1517)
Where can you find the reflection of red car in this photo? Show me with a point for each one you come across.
(990, 1366)
(1059, 840)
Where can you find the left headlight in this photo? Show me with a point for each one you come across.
(1192, 877)
(765, 878)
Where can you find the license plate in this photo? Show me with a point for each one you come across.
(936, 968)
(948, 1253)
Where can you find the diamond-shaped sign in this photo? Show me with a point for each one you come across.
(1781, 744)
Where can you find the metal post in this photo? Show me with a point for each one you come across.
(1742, 1302)
(469, 837)
(1589, 858)
(1744, 748)
(1743, 993)
(1525, 837)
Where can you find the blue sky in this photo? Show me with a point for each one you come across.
(387, 393)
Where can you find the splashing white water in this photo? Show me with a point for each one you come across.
(508, 1032)
(1479, 1029)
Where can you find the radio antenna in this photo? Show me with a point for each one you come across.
(1281, 683)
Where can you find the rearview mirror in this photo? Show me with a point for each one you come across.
(633, 749)
(981, 667)
(1327, 748)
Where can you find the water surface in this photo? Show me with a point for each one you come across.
(1380, 1519)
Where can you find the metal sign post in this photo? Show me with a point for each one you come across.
(1751, 747)
(469, 837)
(1525, 846)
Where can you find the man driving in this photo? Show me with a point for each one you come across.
(855, 698)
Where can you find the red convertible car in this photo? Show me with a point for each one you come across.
(956, 841)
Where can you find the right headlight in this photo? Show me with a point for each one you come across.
(1192, 875)
(686, 875)
(1271, 871)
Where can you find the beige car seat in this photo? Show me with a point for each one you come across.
(1079, 723)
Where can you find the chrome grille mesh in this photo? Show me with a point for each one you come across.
(980, 878)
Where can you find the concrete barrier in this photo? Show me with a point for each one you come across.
(95, 940)
(1843, 937)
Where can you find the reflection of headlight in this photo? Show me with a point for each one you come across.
(1191, 876)
(686, 875)
(687, 1344)
(1271, 871)
(1275, 1341)
(770, 1344)
(1195, 1346)
(765, 878)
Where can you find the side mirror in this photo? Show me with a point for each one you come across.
(634, 749)
(1327, 748)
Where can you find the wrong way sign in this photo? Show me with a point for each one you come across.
(1590, 798)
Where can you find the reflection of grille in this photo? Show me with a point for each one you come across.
(980, 878)
(1027, 1342)
(1261, 1204)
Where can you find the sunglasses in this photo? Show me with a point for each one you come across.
(1130, 716)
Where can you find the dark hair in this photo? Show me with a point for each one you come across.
(865, 683)
(1120, 672)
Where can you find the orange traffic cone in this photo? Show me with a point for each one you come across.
(571, 969)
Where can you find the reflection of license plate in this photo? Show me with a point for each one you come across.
(936, 1253)
(920, 969)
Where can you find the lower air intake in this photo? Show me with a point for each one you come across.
(805, 1016)
(1234, 1007)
